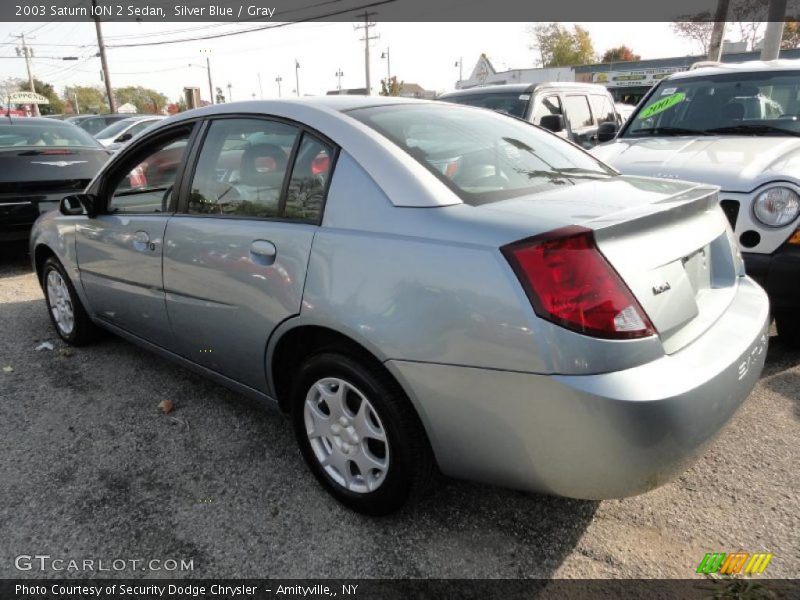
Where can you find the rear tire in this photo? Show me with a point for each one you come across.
(359, 434)
(788, 325)
(66, 312)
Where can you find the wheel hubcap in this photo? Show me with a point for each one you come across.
(346, 435)
(60, 302)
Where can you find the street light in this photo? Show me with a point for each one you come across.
(230, 92)
(297, 77)
(388, 66)
(460, 65)
(278, 81)
(339, 75)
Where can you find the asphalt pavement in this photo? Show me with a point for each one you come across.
(92, 470)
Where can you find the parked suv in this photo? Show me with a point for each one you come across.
(574, 111)
(736, 126)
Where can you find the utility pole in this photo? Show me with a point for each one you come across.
(339, 75)
(208, 69)
(776, 16)
(388, 66)
(366, 39)
(717, 33)
(112, 103)
(297, 77)
(230, 92)
(28, 53)
(77, 108)
(260, 87)
(460, 65)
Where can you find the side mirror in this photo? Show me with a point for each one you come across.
(78, 204)
(124, 137)
(607, 131)
(554, 123)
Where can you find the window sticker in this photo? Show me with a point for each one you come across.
(668, 91)
(662, 105)
(525, 97)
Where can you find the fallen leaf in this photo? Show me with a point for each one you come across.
(44, 346)
(8, 369)
(65, 352)
(166, 406)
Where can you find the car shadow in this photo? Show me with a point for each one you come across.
(14, 259)
(780, 373)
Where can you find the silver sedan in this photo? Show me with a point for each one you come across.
(422, 287)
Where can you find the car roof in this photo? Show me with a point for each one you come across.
(752, 66)
(526, 88)
(6, 120)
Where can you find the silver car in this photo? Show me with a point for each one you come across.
(423, 287)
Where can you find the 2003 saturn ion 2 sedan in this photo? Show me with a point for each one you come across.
(423, 287)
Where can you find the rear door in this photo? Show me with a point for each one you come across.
(236, 254)
(120, 251)
(583, 130)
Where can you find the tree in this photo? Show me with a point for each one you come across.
(696, 28)
(619, 54)
(791, 34)
(559, 47)
(91, 99)
(7, 87)
(144, 99)
(56, 105)
(220, 97)
(391, 87)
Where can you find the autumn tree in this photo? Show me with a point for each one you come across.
(144, 99)
(695, 28)
(791, 34)
(559, 47)
(391, 87)
(619, 54)
(90, 98)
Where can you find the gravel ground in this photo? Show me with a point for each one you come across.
(91, 469)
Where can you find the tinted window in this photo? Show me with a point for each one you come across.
(550, 105)
(242, 167)
(306, 192)
(115, 128)
(764, 103)
(578, 114)
(44, 133)
(148, 186)
(603, 109)
(480, 155)
(513, 103)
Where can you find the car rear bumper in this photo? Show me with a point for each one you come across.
(593, 436)
(778, 273)
(17, 216)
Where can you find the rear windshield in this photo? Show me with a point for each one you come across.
(50, 133)
(512, 103)
(481, 155)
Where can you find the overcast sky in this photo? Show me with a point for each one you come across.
(423, 53)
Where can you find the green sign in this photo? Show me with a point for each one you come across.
(662, 105)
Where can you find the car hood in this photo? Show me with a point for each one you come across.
(735, 163)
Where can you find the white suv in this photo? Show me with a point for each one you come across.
(736, 126)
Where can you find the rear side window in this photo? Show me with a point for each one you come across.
(510, 103)
(480, 155)
(549, 105)
(242, 167)
(578, 113)
(603, 109)
(306, 192)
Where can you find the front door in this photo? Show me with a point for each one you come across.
(120, 251)
(236, 255)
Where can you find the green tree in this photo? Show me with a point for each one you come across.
(619, 54)
(391, 87)
(90, 99)
(560, 47)
(144, 99)
(56, 105)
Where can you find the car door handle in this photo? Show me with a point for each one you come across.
(263, 252)
(141, 241)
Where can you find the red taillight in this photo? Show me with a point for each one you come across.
(569, 282)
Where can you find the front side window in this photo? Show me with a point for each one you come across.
(550, 105)
(578, 113)
(760, 103)
(242, 167)
(481, 155)
(148, 186)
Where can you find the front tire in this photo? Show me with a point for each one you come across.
(359, 434)
(788, 326)
(67, 314)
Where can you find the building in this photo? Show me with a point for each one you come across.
(414, 90)
(485, 74)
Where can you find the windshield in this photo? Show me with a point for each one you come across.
(115, 129)
(44, 133)
(512, 103)
(481, 155)
(761, 103)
